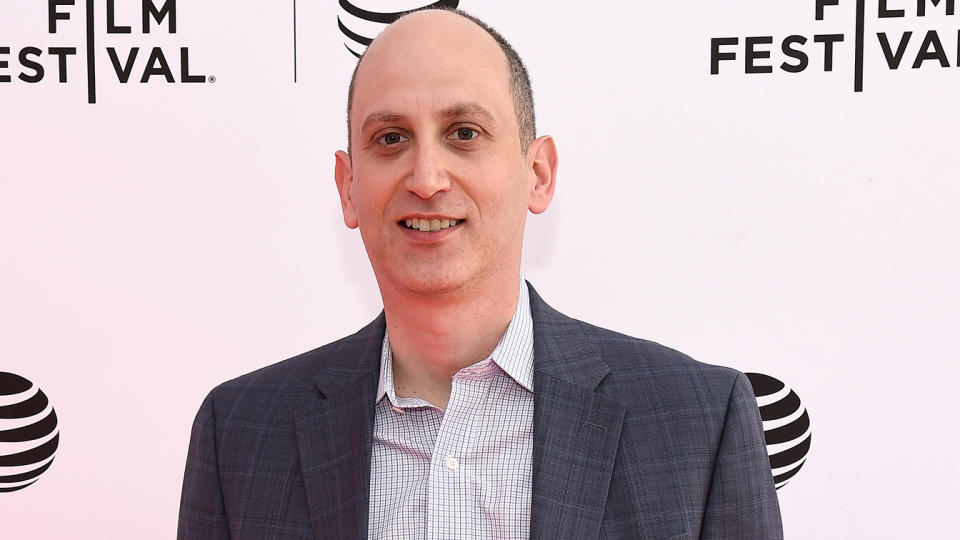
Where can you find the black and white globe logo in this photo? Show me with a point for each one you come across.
(362, 20)
(28, 432)
(786, 426)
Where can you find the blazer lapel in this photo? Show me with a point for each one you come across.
(335, 435)
(576, 431)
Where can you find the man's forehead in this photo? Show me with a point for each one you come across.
(425, 50)
(447, 29)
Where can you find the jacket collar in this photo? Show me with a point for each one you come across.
(576, 431)
(561, 348)
(335, 434)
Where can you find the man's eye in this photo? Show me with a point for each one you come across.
(392, 138)
(466, 134)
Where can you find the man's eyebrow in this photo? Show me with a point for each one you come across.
(383, 117)
(467, 109)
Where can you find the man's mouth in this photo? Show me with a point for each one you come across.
(429, 225)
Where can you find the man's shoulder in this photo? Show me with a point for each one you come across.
(628, 353)
(637, 366)
(295, 378)
(647, 373)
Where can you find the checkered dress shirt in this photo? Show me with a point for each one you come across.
(465, 472)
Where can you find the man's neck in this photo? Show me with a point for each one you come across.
(433, 337)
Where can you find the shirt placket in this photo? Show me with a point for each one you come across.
(452, 486)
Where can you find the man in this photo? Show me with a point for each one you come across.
(469, 408)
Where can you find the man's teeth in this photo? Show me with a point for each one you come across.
(428, 225)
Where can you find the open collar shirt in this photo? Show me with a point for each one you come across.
(465, 472)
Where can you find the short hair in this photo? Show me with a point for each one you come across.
(519, 81)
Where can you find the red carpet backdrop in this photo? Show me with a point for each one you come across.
(768, 186)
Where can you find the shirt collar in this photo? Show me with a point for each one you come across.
(513, 354)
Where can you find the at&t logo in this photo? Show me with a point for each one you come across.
(362, 20)
(786, 426)
(29, 434)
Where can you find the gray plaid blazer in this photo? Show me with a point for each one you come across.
(630, 440)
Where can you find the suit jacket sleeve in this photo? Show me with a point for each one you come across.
(742, 502)
(202, 514)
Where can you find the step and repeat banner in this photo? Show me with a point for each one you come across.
(768, 186)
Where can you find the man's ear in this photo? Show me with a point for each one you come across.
(343, 173)
(543, 159)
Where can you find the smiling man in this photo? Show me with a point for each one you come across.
(469, 408)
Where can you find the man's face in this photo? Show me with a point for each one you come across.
(436, 179)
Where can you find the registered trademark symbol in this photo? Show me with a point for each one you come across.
(212, 79)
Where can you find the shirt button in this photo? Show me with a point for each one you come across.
(451, 463)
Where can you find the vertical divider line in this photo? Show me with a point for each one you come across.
(91, 61)
(858, 50)
(294, 40)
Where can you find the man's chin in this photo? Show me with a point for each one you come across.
(435, 286)
(426, 282)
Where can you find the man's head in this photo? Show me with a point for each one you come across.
(436, 142)
(519, 85)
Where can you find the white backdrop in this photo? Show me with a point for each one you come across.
(172, 236)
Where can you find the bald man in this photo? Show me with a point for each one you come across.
(469, 408)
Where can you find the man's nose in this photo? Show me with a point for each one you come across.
(429, 175)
